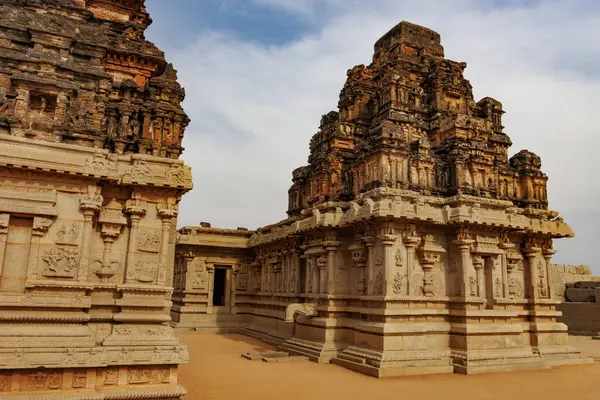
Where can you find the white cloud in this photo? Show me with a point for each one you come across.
(254, 108)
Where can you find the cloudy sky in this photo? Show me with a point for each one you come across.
(260, 73)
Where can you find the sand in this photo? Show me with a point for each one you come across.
(217, 372)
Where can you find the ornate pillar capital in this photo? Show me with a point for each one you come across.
(167, 211)
(189, 256)
(41, 225)
(135, 207)
(91, 202)
(369, 240)
(531, 248)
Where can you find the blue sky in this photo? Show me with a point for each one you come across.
(260, 73)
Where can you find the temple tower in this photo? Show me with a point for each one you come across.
(413, 243)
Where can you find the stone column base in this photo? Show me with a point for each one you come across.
(113, 383)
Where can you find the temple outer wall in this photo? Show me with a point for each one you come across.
(414, 291)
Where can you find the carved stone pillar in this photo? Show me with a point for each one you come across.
(531, 251)
(89, 205)
(410, 240)
(430, 253)
(359, 258)
(478, 264)
(40, 228)
(370, 243)
(316, 277)
(322, 264)
(388, 238)
(331, 246)
(263, 275)
(112, 220)
(136, 210)
(210, 268)
(506, 245)
(278, 275)
(308, 274)
(188, 258)
(463, 242)
(548, 252)
(296, 272)
(166, 213)
(4, 220)
(235, 270)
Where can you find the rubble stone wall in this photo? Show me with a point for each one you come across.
(565, 274)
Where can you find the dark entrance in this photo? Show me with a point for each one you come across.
(219, 287)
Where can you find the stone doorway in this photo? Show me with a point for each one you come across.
(221, 290)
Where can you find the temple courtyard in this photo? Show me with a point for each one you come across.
(217, 371)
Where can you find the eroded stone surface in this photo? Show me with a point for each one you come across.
(90, 134)
(422, 246)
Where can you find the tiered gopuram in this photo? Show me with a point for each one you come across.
(414, 244)
(90, 134)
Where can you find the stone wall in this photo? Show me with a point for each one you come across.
(581, 317)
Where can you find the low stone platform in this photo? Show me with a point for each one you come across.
(272, 356)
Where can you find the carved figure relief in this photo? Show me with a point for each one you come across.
(97, 165)
(399, 285)
(179, 175)
(5, 382)
(542, 289)
(515, 287)
(79, 379)
(60, 262)
(399, 258)
(418, 285)
(145, 271)
(541, 269)
(472, 286)
(378, 287)
(110, 376)
(498, 287)
(141, 172)
(42, 381)
(138, 376)
(433, 285)
(68, 234)
(149, 242)
(378, 255)
(241, 282)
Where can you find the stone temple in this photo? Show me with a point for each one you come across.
(413, 243)
(90, 135)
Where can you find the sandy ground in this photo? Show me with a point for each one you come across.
(218, 372)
